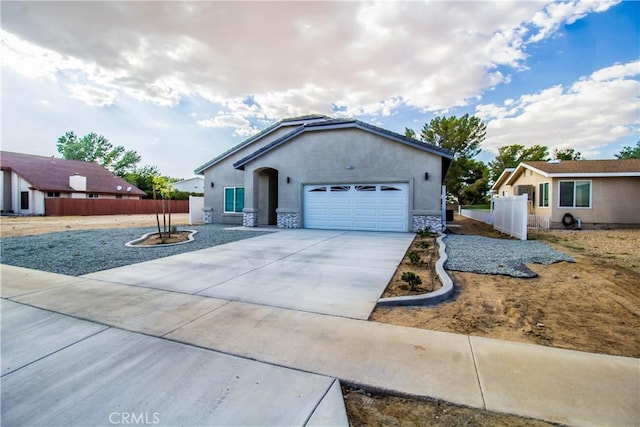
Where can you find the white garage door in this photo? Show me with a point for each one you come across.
(374, 207)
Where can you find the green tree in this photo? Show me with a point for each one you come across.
(567, 154)
(410, 133)
(510, 156)
(162, 188)
(476, 184)
(96, 148)
(629, 152)
(462, 135)
(143, 178)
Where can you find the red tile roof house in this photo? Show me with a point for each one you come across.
(26, 180)
(577, 193)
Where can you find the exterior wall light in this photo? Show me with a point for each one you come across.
(426, 176)
(212, 185)
(288, 180)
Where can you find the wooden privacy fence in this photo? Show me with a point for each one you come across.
(82, 207)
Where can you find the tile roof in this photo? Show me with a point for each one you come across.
(52, 174)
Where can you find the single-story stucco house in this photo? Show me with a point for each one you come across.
(319, 172)
(26, 180)
(500, 187)
(591, 193)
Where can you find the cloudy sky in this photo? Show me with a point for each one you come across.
(180, 82)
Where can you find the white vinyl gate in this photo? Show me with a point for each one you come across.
(370, 207)
(510, 215)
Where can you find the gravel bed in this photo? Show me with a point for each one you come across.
(478, 254)
(76, 253)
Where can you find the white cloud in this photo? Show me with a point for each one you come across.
(262, 61)
(92, 95)
(594, 111)
(556, 14)
(370, 57)
(241, 126)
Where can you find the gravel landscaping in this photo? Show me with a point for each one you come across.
(479, 254)
(76, 253)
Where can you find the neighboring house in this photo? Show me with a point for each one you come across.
(191, 185)
(319, 172)
(26, 180)
(594, 193)
(500, 188)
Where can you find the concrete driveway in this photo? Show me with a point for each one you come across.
(340, 273)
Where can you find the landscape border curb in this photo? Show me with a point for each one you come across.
(431, 298)
(132, 243)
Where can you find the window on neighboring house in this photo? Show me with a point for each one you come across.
(53, 194)
(233, 199)
(575, 194)
(93, 196)
(24, 200)
(543, 202)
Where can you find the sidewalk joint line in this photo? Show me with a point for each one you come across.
(475, 367)
(58, 350)
(194, 319)
(315, 407)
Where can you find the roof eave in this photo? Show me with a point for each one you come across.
(344, 125)
(294, 121)
(594, 175)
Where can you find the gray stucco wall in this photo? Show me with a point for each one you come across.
(329, 156)
(223, 174)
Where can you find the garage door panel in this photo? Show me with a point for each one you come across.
(376, 207)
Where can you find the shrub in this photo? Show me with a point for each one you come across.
(412, 280)
(414, 258)
(425, 233)
(423, 244)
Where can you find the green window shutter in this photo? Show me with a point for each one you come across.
(239, 199)
(228, 199)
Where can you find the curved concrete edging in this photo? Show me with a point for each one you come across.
(133, 243)
(430, 298)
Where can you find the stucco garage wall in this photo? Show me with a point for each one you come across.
(349, 156)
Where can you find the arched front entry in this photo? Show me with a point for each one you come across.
(267, 195)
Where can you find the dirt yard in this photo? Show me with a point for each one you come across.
(591, 305)
(30, 225)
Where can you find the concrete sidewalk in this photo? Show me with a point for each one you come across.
(57, 370)
(556, 385)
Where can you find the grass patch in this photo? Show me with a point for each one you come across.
(484, 207)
